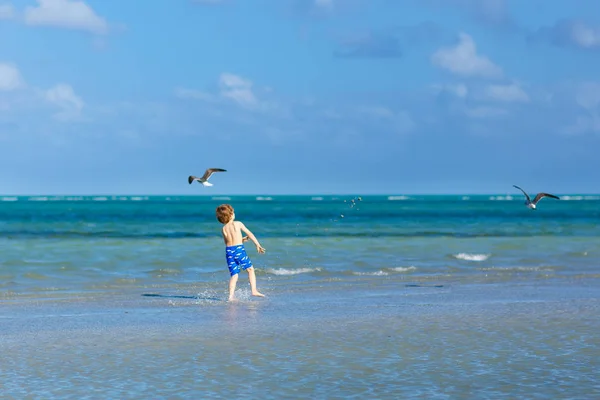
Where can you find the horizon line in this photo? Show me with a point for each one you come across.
(281, 194)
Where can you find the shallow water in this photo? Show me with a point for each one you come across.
(435, 297)
(379, 341)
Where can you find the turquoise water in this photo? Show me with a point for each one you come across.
(378, 296)
(89, 244)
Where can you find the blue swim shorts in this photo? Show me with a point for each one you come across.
(237, 259)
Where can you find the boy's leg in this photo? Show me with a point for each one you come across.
(252, 279)
(232, 283)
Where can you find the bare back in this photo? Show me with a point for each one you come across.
(232, 233)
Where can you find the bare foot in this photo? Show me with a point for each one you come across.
(258, 294)
(232, 299)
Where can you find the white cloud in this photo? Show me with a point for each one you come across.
(63, 96)
(10, 77)
(238, 89)
(571, 32)
(231, 88)
(70, 14)
(463, 59)
(7, 11)
(459, 90)
(507, 93)
(184, 93)
(585, 36)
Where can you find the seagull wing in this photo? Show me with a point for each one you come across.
(542, 195)
(526, 195)
(191, 179)
(210, 171)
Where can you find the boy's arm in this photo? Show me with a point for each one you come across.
(259, 248)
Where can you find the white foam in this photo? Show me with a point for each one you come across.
(466, 198)
(221, 198)
(9, 199)
(472, 257)
(576, 198)
(317, 198)
(37, 198)
(404, 269)
(517, 269)
(377, 273)
(285, 271)
(396, 198)
(99, 198)
(260, 198)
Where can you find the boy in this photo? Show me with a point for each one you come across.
(235, 252)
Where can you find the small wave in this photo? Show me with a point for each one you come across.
(471, 257)
(579, 198)
(376, 273)
(502, 198)
(164, 271)
(404, 269)
(225, 198)
(316, 198)
(100, 198)
(36, 261)
(261, 198)
(285, 271)
(518, 269)
(396, 198)
(466, 198)
(9, 198)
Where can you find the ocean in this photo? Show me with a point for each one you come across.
(436, 297)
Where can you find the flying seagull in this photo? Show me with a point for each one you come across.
(204, 179)
(538, 197)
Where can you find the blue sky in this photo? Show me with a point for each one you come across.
(299, 96)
